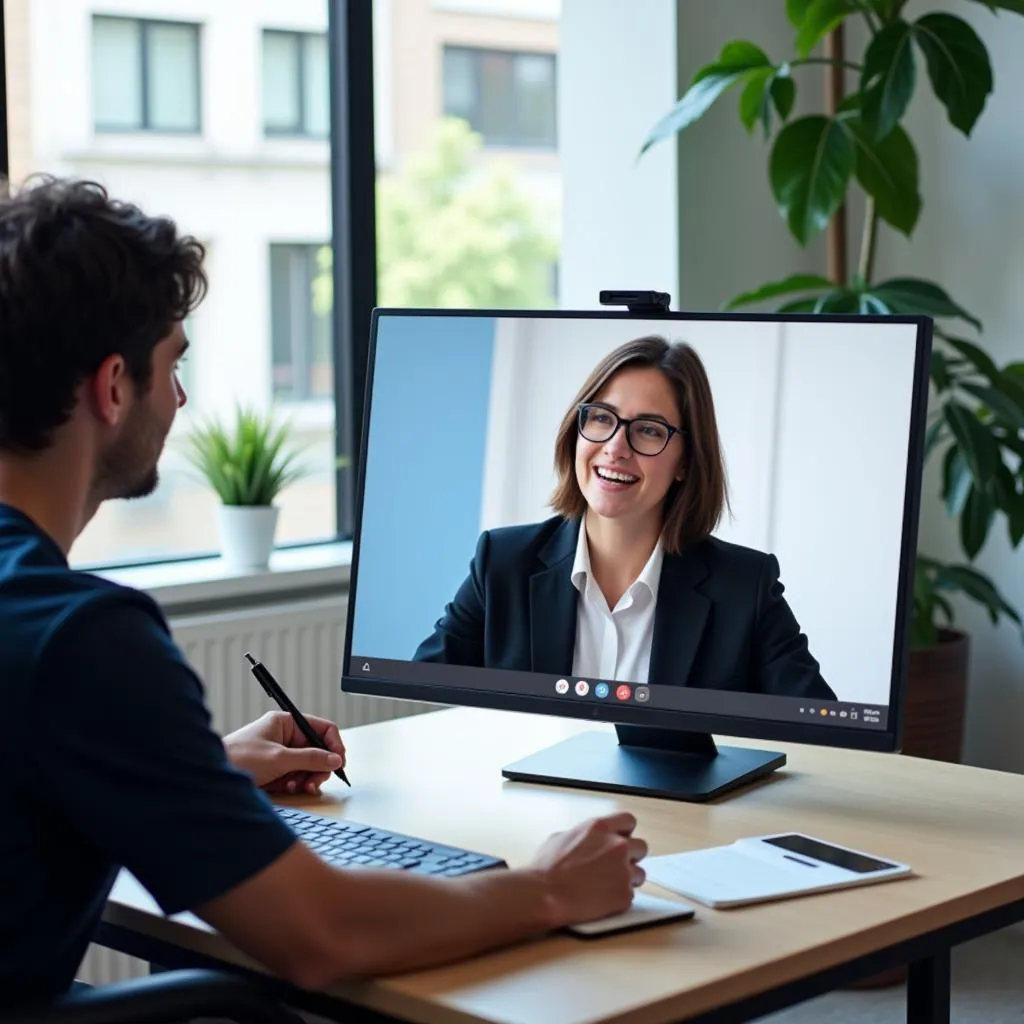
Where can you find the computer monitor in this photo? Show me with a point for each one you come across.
(542, 527)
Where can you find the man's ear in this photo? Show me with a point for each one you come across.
(109, 391)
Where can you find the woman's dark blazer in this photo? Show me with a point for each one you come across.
(721, 621)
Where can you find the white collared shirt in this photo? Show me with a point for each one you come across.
(614, 644)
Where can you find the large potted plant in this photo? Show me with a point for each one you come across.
(247, 465)
(976, 411)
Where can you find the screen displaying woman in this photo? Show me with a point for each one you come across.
(626, 581)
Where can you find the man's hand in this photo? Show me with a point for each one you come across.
(274, 752)
(592, 869)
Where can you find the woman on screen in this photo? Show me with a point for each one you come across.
(625, 583)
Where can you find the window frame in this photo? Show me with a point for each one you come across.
(301, 130)
(505, 142)
(5, 156)
(146, 127)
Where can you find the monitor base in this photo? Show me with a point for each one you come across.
(646, 762)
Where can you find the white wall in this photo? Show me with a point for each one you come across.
(616, 75)
(968, 239)
(814, 477)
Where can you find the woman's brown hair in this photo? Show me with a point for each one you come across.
(694, 505)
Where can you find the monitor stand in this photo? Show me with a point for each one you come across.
(665, 763)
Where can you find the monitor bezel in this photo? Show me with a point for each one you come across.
(888, 739)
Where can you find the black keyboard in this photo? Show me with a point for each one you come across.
(351, 845)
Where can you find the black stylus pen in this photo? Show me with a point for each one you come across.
(284, 702)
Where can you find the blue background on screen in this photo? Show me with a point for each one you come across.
(424, 476)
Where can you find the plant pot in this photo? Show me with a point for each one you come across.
(247, 535)
(936, 695)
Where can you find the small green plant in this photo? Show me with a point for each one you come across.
(246, 465)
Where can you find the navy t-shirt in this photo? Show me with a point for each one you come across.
(108, 760)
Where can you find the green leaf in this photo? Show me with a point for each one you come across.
(1015, 6)
(979, 588)
(820, 18)
(1015, 522)
(976, 443)
(944, 606)
(956, 481)
(939, 371)
(754, 100)
(1011, 386)
(796, 11)
(887, 171)
(978, 357)
(794, 283)
(872, 305)
(783, 93)
(798, 306)
(839, 300)
(735, 61)
(933, 435)
(910, 295)
(958, 66)
(888, 78)
(1002, 406)
(810, 167)
(975, 522)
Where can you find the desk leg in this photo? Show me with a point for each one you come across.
(928, 983)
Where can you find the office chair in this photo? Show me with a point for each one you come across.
(170, 997)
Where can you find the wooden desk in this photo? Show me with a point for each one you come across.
(438, 776)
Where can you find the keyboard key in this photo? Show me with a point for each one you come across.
(349, 844)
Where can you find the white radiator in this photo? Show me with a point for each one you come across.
(302, 643)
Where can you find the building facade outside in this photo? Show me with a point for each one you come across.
(216, 112)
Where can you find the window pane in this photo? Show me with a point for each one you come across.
(497, 97)
(281, 82)
(316, 88)
(227, 193)
(116, 75)
(535, 99)
(301, 319)
(283, 378)
(459, 84)
(172, 77)
(469, 198)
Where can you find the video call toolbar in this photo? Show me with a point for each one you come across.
(835, 714)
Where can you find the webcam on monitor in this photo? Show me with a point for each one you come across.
(641, 302)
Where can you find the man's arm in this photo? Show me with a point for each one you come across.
(125, 726)
(317, 925)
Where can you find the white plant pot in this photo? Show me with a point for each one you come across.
(247, 535)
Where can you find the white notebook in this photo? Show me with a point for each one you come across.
(762, 868)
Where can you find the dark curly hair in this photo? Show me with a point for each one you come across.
(82, 277)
